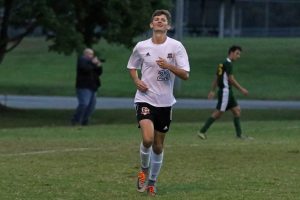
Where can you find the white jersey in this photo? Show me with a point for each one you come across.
(160, 81)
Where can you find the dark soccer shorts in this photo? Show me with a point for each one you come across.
(226, 100)
(160, 116)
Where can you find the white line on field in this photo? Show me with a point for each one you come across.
(96, 149)
(50, 151)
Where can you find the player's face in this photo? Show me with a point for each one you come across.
(235, 55)
(160, 23)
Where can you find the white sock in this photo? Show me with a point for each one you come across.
(156, 163)
(145, 154)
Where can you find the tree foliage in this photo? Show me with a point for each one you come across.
(70, 25)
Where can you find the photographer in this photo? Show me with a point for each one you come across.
(88, 72)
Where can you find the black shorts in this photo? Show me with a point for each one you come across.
(226, 100)
(160, 116)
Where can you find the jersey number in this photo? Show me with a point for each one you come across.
(163, 75)
(220, 69)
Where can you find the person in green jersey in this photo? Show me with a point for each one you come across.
(224, 80)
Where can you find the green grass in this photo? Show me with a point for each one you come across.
(268, 68)
(101, 162)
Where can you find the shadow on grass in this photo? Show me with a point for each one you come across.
(14, 118)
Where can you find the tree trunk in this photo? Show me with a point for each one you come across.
(4, 28)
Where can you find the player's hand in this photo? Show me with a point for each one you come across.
(244, 91)
(162, 63)
(141, 86)
(211, 95)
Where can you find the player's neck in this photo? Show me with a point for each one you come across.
(159, 37)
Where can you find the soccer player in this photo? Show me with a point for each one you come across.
(224, 80)
(160, 59)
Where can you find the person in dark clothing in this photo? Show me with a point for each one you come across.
(89, 70)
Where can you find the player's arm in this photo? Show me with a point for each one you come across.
(184, 75)
(234, 82)
(137, 81)
(211, 93)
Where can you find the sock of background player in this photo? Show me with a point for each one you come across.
(237, 126)
(207, 124)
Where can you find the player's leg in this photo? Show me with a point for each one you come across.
(214, 116)
(157, 156)
(236, 111)
(222, 103)
(147, 130)
(144, 118)
(162, 121)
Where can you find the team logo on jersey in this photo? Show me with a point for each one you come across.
(145, 111)
(170, 55)
(148, 54)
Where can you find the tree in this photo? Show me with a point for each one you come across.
(70, 25)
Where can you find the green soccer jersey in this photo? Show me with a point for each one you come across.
(223, 72)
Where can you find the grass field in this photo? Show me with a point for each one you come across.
(268, 68)
(101, 162)
(42, 157)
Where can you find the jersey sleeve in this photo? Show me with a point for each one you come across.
(135, 60)
(220, 69)
(182, 60)
(228, 68)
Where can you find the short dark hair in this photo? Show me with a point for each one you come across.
(162, 12)
(233, 48)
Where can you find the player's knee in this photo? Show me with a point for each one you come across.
(216, 115)
(237, 112)
(147, 143)
(158, 148)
